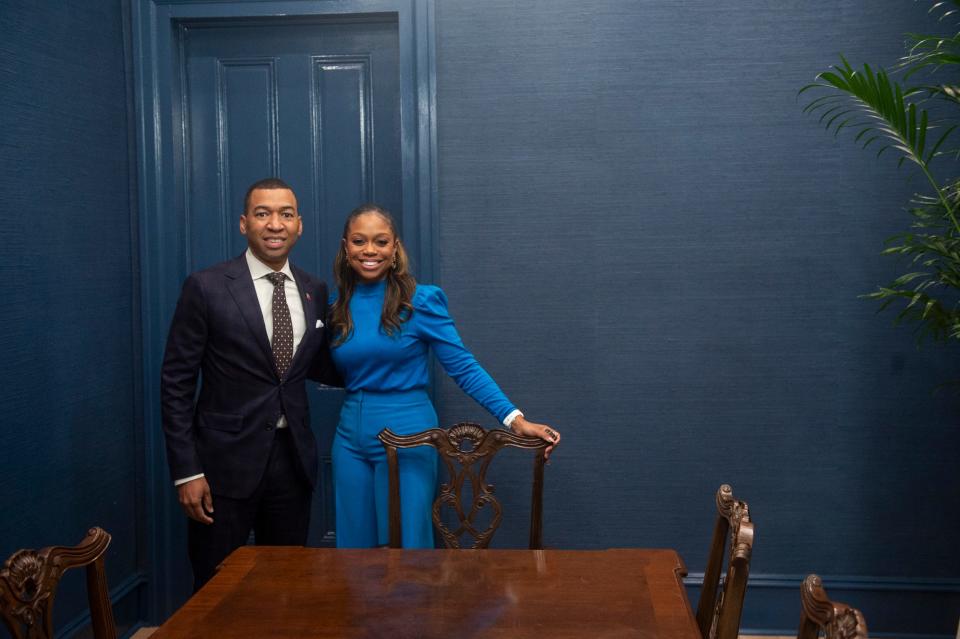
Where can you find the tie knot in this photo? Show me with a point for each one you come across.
(276, 278)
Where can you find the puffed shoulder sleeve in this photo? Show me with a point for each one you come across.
(435, 326)
(430, 299)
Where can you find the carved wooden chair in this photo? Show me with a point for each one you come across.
(836, 620)
(28, 584)
(721, 600)
(466, 450)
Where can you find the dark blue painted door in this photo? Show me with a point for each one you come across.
(317, 104)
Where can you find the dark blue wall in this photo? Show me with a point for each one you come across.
(69, 456)
(650, 247)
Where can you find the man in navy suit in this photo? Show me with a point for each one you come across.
(241, 451)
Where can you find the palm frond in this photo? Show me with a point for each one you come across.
(884, 106)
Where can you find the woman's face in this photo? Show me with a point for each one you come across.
(370, 246)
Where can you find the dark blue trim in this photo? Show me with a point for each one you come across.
(843, 582)
(141, 511)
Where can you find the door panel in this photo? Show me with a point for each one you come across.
(341, 117)
(316, 103)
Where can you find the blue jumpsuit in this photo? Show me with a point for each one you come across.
(386, 378)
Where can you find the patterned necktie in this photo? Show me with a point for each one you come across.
(282, 341)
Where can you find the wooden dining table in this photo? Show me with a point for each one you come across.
(278, 592)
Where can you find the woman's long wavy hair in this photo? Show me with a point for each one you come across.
(400, 284)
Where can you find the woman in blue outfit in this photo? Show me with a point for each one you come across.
(384, 323)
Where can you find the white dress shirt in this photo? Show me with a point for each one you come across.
(264, 288)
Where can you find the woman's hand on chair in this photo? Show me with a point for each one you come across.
(521, 426)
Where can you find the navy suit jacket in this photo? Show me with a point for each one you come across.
(226, 430)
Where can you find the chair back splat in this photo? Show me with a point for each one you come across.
(467, 450)
(721, 600)
(28, 584)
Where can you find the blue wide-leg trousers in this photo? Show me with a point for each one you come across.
(361, 480)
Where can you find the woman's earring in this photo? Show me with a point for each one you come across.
(394, 266)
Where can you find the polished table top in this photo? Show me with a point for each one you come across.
(264, 591)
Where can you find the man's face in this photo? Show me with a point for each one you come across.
(272, 225)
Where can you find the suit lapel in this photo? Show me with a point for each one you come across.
(307, 298)
(240, 285)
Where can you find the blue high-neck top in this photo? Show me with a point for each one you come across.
(371, 360)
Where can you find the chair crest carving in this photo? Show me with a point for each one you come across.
(467, 450)
(737, 514)
(465, 431)
(21, 579)
(29, 579)
(837, 620)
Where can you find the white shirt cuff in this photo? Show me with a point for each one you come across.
(186, 479)
(508, 420)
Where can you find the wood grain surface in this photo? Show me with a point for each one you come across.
(318, 592)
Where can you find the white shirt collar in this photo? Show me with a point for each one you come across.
(258, 269)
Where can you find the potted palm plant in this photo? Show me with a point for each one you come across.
(913, 111)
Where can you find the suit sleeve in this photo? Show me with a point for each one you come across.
(182, 359)
(435, 326)
(322, 368)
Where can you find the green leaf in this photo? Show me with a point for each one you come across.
(940, 141)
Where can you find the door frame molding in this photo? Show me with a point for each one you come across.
(164, 235)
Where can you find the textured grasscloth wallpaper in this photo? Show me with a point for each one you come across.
(649, 246)
(69, 344)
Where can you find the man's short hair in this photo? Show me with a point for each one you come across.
(266, 183)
